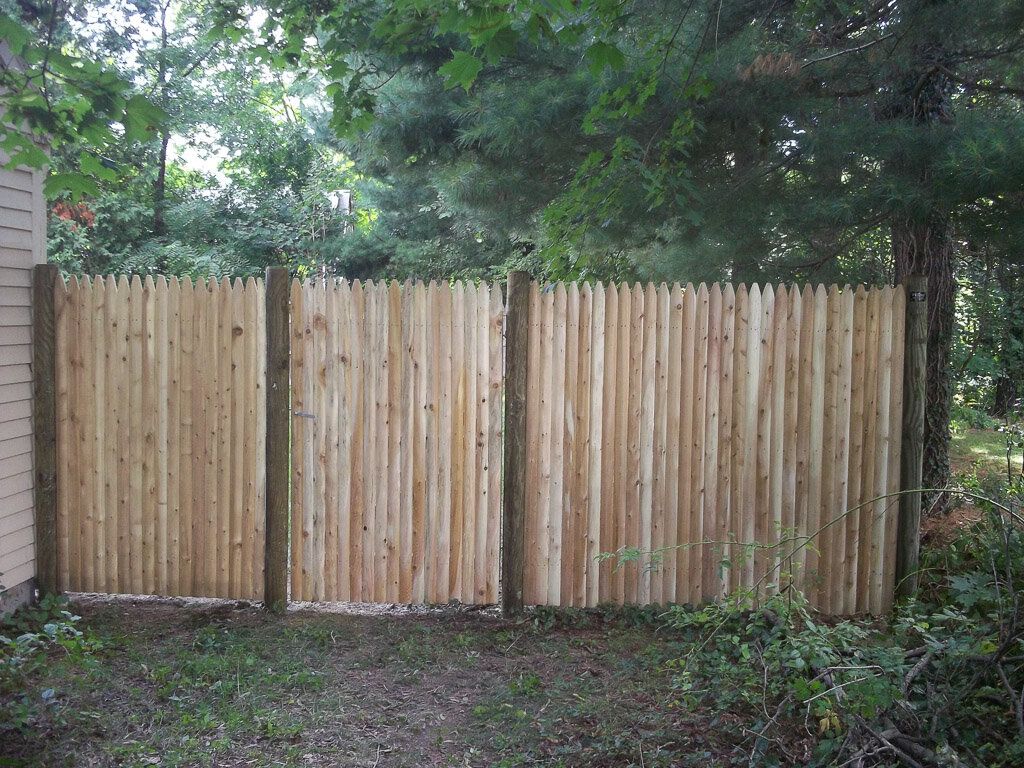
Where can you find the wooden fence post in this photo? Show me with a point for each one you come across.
(278, 466)
(513, 520)
(908, 538)
(44, 423)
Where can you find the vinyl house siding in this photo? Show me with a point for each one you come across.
(22, 245)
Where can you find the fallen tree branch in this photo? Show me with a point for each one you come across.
(909, 678)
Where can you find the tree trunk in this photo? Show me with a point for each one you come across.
(926, 247)
(160, 188)
(922, 242)
(1009, 389)
(160, 185)
(748, 243)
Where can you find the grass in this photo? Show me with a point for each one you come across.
(982, 449)
(176, 683)
(184, 685)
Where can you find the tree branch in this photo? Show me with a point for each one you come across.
(860, 21)
(846, 51)
(1004, 90)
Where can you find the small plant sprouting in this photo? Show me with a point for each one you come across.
(26, 637)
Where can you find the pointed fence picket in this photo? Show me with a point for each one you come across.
(720, 438)
(396, 435)
(159, 415)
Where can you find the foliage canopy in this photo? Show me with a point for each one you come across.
(801, 140)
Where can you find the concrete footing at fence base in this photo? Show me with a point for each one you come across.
(15, 597)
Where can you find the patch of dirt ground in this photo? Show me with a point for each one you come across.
(219, 683)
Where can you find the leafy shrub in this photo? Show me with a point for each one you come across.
(963, 417)
(27, 637)
(936, 683)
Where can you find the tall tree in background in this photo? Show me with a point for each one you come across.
(57, 94)
(143, 210)
(459, 180)
(162, 48)
(795, 140)
(778, 140)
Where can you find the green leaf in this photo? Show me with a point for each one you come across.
(538, 26)
(141, 118)
(12, 33)
(95, 132)
(501, 44)
(77, 184)
(233, 33)
(21, 151)
(461, 70)
(28, 99)
(337, 69)
(93, 165)
(601, 55)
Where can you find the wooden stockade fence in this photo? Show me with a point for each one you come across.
(396, 441)
(160, 428)
(687, 421)
(659, 417)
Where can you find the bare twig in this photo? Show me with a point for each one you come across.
(846, 51)
(909, 678)
(887, 738)
(838, 687)
(1002, 90)
(1016, 702)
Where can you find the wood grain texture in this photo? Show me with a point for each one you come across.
(728, 430)
(670, 560)
(87, 412)
(277, 420)
(866, 470)
(724, 512)
(897, 391)
(531, 458)
(45, 280)
(710, 588)
(596, 442)
(188, 421)
(646, 438)
(636, 434)
(148, 430)
(421, 438)
(912, 457)
(856, 428)
(816, 518)
(609, 453)
(700, 551)
(521, 308)
(776, 396)
(170, 426)
(396, 429)
(684, 523)
(659, 472)
(63, 438)
(565, 437)
(881, 505)
(623, 434)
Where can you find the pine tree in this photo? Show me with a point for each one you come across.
(797, 139)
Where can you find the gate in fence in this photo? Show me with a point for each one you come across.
(727, 438)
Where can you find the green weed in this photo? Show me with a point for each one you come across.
(30, 639)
